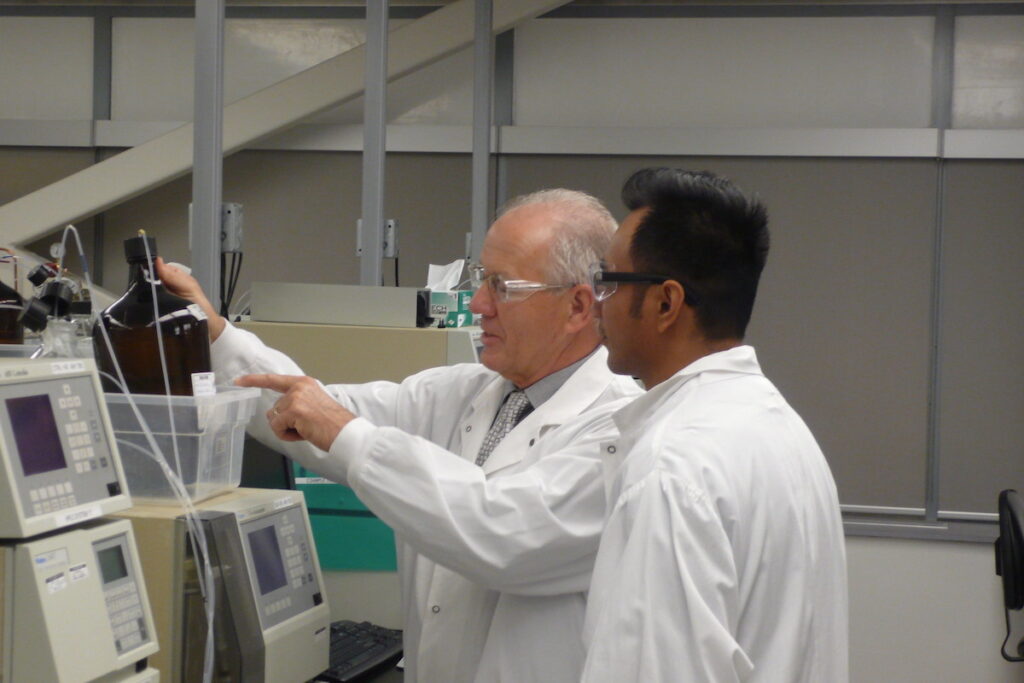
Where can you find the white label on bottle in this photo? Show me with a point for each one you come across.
(67, 366)
(202, 384)
(195, 310)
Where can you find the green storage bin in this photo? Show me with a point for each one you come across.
(348, 536)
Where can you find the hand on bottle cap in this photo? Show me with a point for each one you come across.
(178, 281)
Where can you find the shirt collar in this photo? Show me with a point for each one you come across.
(737, 360)
(546, 387)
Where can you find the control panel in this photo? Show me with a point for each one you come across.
(59, 464)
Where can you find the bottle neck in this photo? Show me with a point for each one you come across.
(141, 273)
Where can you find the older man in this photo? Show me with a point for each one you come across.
(488, 474)
(723, 556)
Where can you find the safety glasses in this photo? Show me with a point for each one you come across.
(605, 281)
(507, 290)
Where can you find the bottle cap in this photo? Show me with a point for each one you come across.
(57, 294)
(34, 315)
(135, 248)
(41, 273)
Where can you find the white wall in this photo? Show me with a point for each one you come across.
(45, 68)
(841, 72)
(926, 611)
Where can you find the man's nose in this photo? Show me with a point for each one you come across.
(482, 302)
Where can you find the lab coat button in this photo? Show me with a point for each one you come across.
(532, 441)
(435, 609)
(611, 449)
(469, 428)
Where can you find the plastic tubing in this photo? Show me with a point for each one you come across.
(197, 532)
(241, 306)
(210, 592)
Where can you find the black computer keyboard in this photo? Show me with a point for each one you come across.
(360, 650)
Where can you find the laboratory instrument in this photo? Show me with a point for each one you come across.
(74, 607)
(272, 621)
(59, 464)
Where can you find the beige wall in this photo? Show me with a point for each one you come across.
(300, 212)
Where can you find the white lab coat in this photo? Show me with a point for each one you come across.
(723, 555)
(494, 562)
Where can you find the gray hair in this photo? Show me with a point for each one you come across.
(585, 229)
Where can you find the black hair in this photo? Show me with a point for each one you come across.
(702, 231)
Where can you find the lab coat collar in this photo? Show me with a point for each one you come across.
(577, 394)
(719, 365)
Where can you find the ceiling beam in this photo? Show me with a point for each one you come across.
(251, 119)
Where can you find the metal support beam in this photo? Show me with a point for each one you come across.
(504, 107)
(483, 67)
(102, 84)
(371, 229)
(942, 118)
(207, 148)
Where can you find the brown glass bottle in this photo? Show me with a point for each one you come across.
(11, 329)
(131, 326)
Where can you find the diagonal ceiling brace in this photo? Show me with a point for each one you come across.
(250, 119)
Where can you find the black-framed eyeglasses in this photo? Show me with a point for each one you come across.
(605, 281)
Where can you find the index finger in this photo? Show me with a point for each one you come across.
(278, 383)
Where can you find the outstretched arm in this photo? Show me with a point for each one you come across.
(531, 533)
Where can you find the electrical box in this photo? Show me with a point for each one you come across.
(231, 220)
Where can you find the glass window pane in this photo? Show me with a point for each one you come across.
(988, 80)
(845, 72)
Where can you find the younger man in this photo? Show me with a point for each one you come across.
(722, 558)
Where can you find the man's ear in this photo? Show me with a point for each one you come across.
(582, 307)
(670, 298)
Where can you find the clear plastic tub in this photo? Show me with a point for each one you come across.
(17, 350)
(210, 433)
